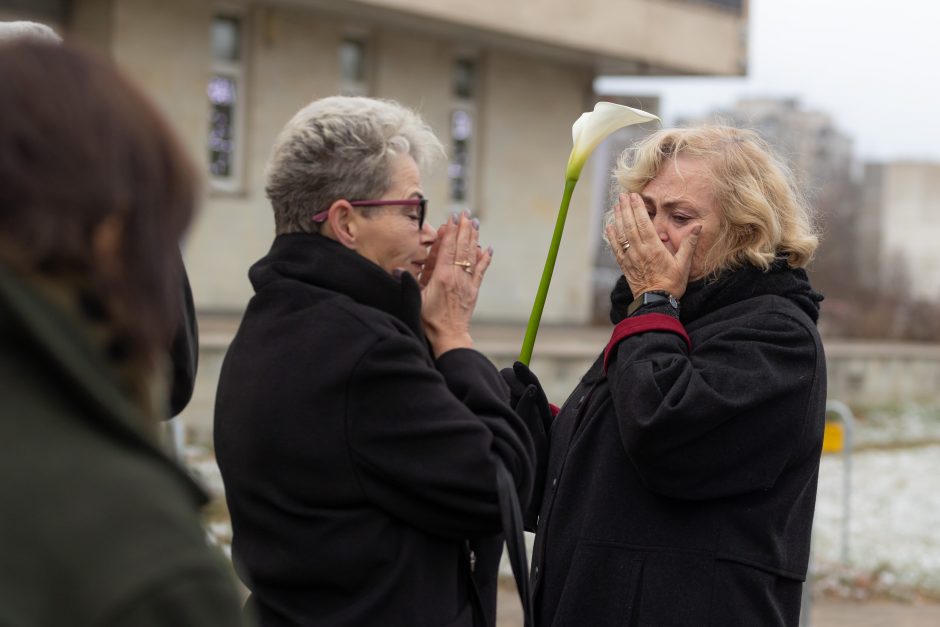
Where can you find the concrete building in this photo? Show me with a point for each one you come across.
(899, 227)
(500, 82)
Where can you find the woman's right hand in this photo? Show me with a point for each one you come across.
(450, 284)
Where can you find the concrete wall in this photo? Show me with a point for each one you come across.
(861, 374)
(881, 374)
(526, 140)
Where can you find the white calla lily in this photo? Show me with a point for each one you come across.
(592, 128)
(587, 132)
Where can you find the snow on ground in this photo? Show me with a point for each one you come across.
(894, 523)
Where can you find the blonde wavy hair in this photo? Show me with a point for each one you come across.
(763, 213)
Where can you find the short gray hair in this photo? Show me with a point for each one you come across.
(341, 147)
(31, 31)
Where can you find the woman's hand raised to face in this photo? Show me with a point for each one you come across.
(645, 261)
(450, 284)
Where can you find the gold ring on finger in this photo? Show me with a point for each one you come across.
(463, 264)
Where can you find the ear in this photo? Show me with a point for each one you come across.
(106, 240)
(342, 224)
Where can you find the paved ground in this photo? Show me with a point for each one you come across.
(825, 613)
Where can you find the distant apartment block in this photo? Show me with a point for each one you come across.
(810, 142)
(899, 228)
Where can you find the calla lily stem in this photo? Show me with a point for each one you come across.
(535, 317)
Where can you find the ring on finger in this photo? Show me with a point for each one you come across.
(468, 270)
(463, 264)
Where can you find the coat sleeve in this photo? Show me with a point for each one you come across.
(189, 600)
(722, 418)
(425, 441)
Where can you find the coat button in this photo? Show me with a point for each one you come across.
(536, 571)
(554, 482)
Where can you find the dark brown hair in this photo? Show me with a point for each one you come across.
(81, 145)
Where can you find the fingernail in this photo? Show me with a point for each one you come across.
(466, 212)
(455, 217)
(476, 223)
(489, 249)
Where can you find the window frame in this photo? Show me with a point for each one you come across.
(363, 87)
(236, 71)
(471, 106)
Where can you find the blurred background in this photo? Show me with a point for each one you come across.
(846, 92)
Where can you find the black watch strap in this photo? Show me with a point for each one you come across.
(653, 297)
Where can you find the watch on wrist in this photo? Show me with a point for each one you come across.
(652, 297)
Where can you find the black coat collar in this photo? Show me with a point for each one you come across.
(706, 295)
(325, 263)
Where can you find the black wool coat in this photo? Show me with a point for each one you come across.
(357, 466)
(681, 482)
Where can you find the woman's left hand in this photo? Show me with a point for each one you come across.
(645, 261)
(450, 284)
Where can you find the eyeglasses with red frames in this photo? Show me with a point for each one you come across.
(420, 201)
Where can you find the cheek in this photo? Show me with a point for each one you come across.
(407, 246)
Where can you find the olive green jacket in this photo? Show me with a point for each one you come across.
(97, 526)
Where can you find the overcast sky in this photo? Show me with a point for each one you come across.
(874, 66)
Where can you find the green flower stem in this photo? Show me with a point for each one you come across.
(536, 317)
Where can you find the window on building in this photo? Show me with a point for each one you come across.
(354, 66)
(226, 102)
(463, 118)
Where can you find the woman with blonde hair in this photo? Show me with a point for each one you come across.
(680, 476)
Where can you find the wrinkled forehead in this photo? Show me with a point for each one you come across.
(683, 175)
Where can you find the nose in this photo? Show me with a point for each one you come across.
(428, 234)
(659, 225)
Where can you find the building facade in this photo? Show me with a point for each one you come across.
(500, 82)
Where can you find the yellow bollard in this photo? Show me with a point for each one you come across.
(833, 437)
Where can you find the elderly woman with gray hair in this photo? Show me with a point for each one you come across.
(358, 432)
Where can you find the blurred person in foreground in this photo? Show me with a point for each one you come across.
(99, 526)
(184, 345)
(357, 430)
(680, 475)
